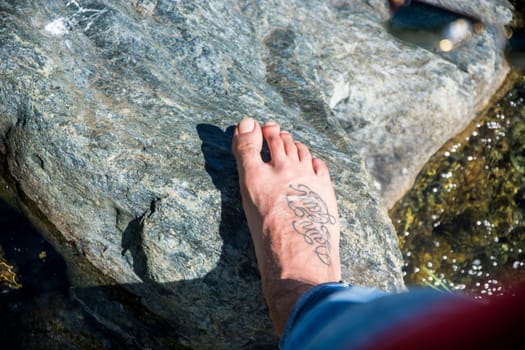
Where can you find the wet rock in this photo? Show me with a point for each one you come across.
(116, 122)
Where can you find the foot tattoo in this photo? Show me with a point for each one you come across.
(313, 218)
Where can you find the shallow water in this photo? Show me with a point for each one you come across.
(462, 225)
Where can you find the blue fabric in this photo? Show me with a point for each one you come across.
(342, 316)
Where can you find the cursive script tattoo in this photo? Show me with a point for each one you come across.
(313, 218)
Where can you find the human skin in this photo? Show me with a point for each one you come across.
(291, 210)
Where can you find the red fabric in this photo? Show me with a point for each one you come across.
(496, 323)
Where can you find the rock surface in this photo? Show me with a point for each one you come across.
(116, 121)
(400, 102)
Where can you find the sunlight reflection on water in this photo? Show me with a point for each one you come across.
(462, 225)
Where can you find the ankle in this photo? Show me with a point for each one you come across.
(281, 296)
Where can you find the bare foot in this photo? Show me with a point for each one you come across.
(291, 211)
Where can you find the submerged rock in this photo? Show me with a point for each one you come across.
(116, 122)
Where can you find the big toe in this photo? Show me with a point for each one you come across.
(247, 143)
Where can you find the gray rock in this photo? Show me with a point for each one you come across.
(490, 11)
(116, 120)
(399, 101)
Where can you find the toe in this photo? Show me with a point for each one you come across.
(289, 145)
(247, 143)
(320, 167)
(271, 132)
(303, 152)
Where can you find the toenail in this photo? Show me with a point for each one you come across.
(270, 123)
(246, 125)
